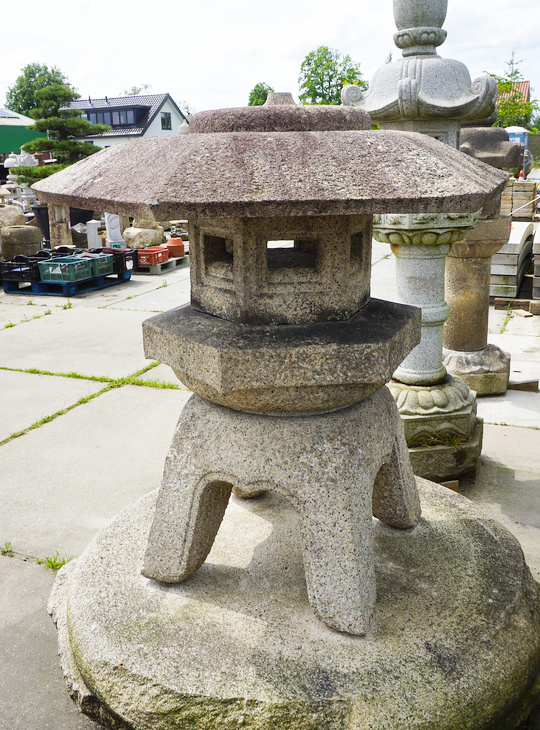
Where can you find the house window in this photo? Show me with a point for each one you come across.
(166, 120)
(123, 117)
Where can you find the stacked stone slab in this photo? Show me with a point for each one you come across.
(288, 357)
(536, 263)
(425, 93)
(510, 264)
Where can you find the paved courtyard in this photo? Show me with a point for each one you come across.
(86, 423)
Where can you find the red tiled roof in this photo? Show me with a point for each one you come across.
(523, 88)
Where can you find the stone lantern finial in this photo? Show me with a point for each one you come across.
(419, 26)
(422, 85)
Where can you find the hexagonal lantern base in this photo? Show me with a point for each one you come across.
(290, 369)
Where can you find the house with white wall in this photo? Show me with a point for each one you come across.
(131, 117)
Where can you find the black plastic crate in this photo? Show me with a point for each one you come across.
(124, 259)
(23, 268)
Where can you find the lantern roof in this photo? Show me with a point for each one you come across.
(231, 165)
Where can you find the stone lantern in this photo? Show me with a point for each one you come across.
(423, 92)
(288, 332)
(287, 355)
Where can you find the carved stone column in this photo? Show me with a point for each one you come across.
(435, 407)
(485, 368)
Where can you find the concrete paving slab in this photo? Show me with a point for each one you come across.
(163, 374)
(521, 347)
(174, 294)
(528, 326)
(65, 480)
(33, 695)
(507, 485)
(379, 251)
(19, 311)
(88, 342)
(27, 398)
(515, 408)
(383, 277)
(496, 320)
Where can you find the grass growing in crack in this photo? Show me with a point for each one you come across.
(9, 324)
(48, 419)
(30, 303)
(111, 383)
(68, 305)
(5, 549)
(452, 440)
(162, 286)
(508, 317)
(54, 562)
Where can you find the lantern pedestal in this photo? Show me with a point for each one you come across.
(238, 645)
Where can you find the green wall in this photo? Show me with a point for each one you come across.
(12, 137)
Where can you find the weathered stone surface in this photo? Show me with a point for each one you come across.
(280, 114)
(276, 173)
(11, 215)
(442, 462)
(422, 85)
(141, 237)
(455, 644)
(287, 368)
(281, 270)
(492, 146)
(467, 281)
(486, 371)
(336, 469)
(437, 412)
(17, 240)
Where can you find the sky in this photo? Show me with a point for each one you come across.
(211, 53)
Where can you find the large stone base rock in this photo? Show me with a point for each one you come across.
(141, 237)
(455, 644)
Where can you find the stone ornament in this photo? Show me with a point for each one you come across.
(422, 85)
(426, 229)
(438, 412)
(336, 469)
(285, 350)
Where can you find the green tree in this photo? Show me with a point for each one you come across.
(62, 125)
(136, 90)
(513, 111)
(21, 97)
(258, 94)
(323, 74)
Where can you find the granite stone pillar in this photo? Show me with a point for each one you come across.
(484, 367)
(59, 225)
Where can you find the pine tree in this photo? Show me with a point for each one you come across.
(63, 126)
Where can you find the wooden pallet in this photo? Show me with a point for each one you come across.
(528, 305)
(64, 288)
(160, 268)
